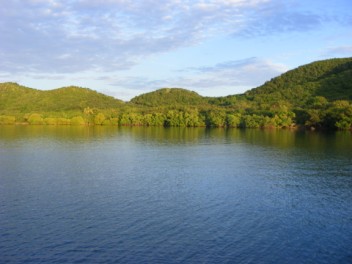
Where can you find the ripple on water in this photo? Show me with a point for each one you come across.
(131, 198)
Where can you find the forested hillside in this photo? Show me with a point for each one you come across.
(317, 95)
(329, 78)
(14, 97)
(169, 96)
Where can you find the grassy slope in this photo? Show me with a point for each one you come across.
(329, 78)
(168, 97)
(14, 97)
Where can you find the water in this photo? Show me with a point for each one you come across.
(155, 195)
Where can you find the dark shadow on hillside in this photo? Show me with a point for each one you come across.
(336, 84)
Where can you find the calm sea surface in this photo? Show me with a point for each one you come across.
(155, 195)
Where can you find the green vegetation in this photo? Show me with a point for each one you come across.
(331, 79)
(7, 120)
(35, 119)
(77, 121)
(17, 98)
(169, 97)
(317, 95)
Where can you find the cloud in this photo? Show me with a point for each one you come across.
(231, 77)
(235, 64)
(111, 35)
(276, 17)
(89, 35)
(245, 73)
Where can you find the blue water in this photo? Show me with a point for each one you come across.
(155, 195)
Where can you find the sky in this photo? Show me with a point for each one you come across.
(124, 48)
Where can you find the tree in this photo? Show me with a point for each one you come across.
(88, 113)
(114, 121)
(35, 119)
(77, 121)
(317, 102)
(158, 119)
(50, 121)
(315, 118)
(216, 118)
(339, 115)
(251, 121)
(7, 120)
(99, 119)
(233, 120)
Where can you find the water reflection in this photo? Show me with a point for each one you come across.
(56, 132)
(275, 138)
(155, 195)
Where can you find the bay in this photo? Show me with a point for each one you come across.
(174, 195)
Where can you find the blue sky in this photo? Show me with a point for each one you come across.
(124, 48)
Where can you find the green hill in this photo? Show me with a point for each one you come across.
(331, 79)
(169, 97)
(17, 98)
(316, 95)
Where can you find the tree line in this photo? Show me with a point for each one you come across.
(321, 114)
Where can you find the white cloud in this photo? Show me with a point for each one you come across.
(247, 73)
(231, 77)
(108, 35)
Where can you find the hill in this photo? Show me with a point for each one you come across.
(17, 98)
(169, 97)
(316, 95)
(331, 79)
